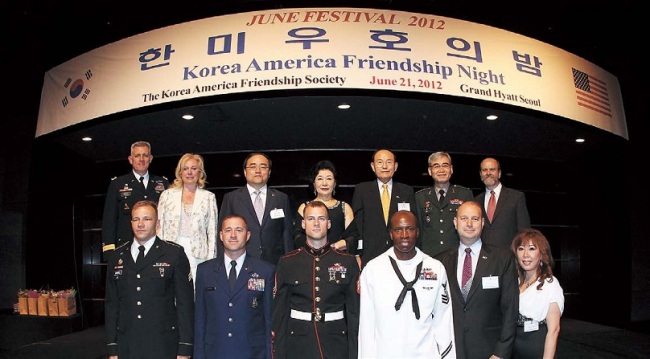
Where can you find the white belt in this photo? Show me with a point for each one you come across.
(317, 317)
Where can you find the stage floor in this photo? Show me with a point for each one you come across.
(578, 339)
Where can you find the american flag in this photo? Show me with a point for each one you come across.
(591, 93)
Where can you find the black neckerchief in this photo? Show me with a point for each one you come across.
(408, 286)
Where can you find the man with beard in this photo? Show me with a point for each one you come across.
(504, 209)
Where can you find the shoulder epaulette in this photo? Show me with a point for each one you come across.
(342, 252)
(123, 245)
(423, 189)
(293, 252)
(113, 179)
(173, 243)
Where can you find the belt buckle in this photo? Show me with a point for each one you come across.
(318, 316)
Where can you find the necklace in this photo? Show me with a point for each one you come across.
(327, 202)
(187, 208)
(529, 283)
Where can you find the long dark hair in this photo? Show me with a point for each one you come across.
(545, 270)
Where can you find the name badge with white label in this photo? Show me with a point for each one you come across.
(277, 213)
(405, 206)
(490, 282)
(531, 326)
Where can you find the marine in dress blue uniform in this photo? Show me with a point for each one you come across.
(316, 305)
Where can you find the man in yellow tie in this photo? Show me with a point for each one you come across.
(375, 201)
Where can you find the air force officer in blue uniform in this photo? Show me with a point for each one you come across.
(233, 319)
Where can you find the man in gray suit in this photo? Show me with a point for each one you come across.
(510, 214)
(270, 221)
(485, 295)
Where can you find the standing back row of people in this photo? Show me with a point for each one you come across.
(359, 228)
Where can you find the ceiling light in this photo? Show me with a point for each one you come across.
(344, 106)
(492, 117)
(87, 139)
(580, 140)
(188, 117)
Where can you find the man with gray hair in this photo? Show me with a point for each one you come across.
(124, 191)
(436, 206)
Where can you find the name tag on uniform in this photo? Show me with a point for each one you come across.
(277, 213)
(531, 326)
(404, 206)
(490, 282)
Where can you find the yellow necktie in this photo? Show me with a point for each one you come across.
(385, 202)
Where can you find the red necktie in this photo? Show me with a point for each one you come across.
(492, 205)
(467, 267)
(467, 273)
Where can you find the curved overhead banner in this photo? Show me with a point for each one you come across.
(316, 48)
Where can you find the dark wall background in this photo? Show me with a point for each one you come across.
(593, 208)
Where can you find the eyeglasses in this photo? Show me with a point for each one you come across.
(400, 230)
(254, 167)
(437, 166)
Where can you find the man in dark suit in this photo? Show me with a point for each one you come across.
(436, 206)
(486, 306)
(370, 216)
(233, 315)
(149, 308)
(271, 229)
(510, 214)
(124, 191)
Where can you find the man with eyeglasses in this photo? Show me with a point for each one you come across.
(436, 206)
(484, 290)
(124, 191)
(149, 307)
(406, 311)
(266, 210)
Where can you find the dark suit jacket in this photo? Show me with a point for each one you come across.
(244, 312)
(486, 322)
(149, 308)
(510, 216)
(274, 237)
(123, 192)
(369, 216)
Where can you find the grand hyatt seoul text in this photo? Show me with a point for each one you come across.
(347, 61)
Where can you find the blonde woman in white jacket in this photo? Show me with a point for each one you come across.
(188, 213)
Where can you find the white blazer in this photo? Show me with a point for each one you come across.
(204, 220)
